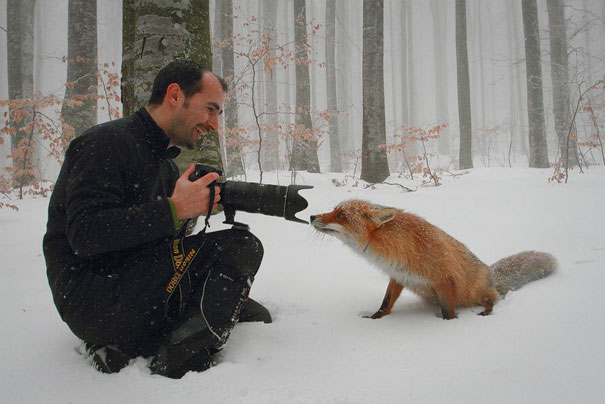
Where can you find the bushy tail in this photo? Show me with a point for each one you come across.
(512, 272)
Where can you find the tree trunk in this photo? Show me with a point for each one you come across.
(304, 150)
(232, 143)
(464, 93)
(374, 164)
(129, 21)
(343, 79)
(439, 11)
(20, 61)
(165, 31)
(411, 71)
(538, 153)
(335, 154)
(79, 105)
(560, 80)
(271, 138)
(405, 106)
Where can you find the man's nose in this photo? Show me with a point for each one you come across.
(212, 122)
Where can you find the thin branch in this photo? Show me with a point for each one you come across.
(369, 185)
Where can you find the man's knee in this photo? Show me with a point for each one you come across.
(247, 250)
(238, 252)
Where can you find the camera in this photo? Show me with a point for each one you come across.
(271, 200)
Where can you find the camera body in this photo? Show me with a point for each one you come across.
(271, 200)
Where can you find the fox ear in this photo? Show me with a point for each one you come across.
(381, 216)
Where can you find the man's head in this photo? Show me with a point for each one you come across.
(186, 101)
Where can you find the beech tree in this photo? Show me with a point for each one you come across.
(304, 149)
(335, 154)
(464, 93)
(20, 61)
(559, 73)
(374, 164)
(538, 153)
(79, 106)
(165, 31)
(225, 51)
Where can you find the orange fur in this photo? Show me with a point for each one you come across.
(417, 255)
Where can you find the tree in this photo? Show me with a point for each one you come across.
(335, 154)
(559, 73)
(165, 31)
(129, 20)
(439, 12)
(344, 79)
(538, 153)
(304, 150)
(20, 58)
(374, 164)
(79, 107)
(271, 141)
(232, 145)
(464, 93)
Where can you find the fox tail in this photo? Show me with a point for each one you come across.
(512, 272)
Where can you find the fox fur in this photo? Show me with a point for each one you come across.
(431, 263)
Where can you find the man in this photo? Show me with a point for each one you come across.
(122, 277)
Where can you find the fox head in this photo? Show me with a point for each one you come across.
(353, 221)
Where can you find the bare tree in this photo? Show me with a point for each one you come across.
(559, 72)
(374, 164)
(538, 152)
(271, 143)
(233, 148)
(78, 109)
(464, 94)
(335, 154)
(165, 31)
(20, 58)
(439, 12)
(304, 150)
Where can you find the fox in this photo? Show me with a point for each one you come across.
(420, 256)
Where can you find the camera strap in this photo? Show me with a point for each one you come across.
(181, 259)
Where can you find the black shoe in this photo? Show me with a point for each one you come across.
(107, 359)
(175, 363)
(188, 348)
(252, 311)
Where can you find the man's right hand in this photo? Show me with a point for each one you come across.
(192, 198)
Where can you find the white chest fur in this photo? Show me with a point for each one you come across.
(394, 270)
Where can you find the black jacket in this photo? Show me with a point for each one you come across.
(110, 199)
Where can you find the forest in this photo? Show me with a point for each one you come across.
(368, 88)
(483, 117)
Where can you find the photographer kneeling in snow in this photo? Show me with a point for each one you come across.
(123, 277)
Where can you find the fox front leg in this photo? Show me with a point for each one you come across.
(390, 297)
(447, 300)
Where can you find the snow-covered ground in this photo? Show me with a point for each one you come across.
(543, 343)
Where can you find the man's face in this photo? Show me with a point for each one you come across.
(197, 114)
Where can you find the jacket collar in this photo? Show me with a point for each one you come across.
(155, 136)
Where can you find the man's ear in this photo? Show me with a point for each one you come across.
(173, 94)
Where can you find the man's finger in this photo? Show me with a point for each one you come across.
(208, 179)
(188, 172)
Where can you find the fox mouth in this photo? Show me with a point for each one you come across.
(320, 227)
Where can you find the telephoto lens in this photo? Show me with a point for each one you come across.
(271, 200)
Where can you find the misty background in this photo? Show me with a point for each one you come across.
(419, 73)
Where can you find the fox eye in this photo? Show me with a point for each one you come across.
(340, 216)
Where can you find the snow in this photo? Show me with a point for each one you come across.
(543, 343)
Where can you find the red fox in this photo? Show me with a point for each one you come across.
(427, 260)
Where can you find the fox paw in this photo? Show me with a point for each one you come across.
(378, 314)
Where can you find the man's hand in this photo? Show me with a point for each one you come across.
(191, 199)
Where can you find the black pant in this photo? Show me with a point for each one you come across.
(137, 309)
